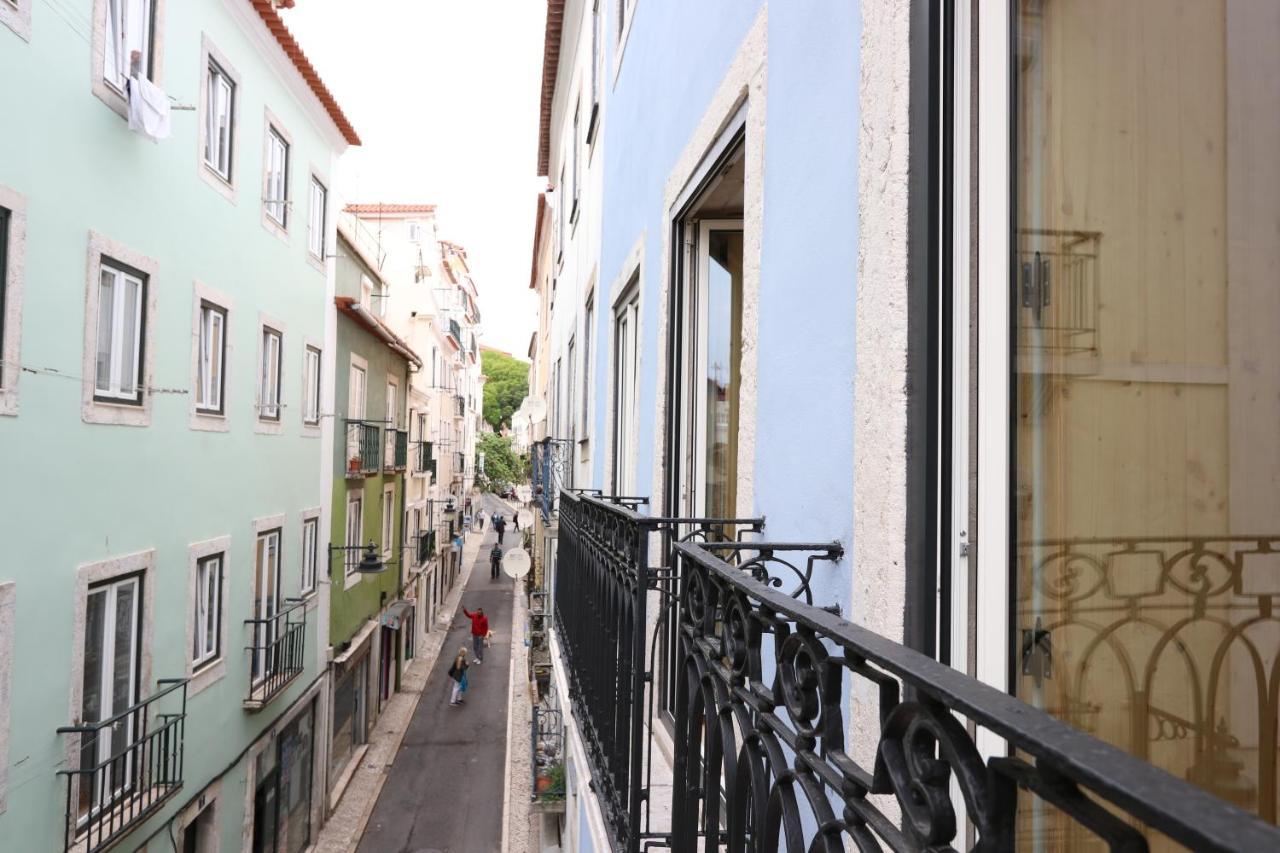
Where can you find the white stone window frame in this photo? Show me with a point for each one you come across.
(16, 15)
(15, 275)
(209, 673)
(93, 410)
(320, 262)
(739, 105)
(387, 522)
(310, 594)
(264, 425)
(623, 34)
(351, 578)
(196, 418)
(311, 429)
(142, 563)
(8, 613)
(209, 53)
(272, 123)
(104, 91)
(621, 294)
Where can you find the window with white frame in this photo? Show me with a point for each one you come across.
(276, 191)
(212, 358)
(388, 521)
(311, 387)
(128, 36)
(355, 530)
(310, 553)
(122, 293)
(588, 321)
(207, 641)
(218, 112)
(315, 237)
(577, 161)
(594, 117)
(626, 354)
(269, 379)
(415, 231)
(570, 412)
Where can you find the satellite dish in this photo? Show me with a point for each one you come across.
(516, 563)
(537, 410)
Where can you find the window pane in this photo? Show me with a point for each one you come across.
(106, 308)
(130, 322)
(1145, 367)
(211, 117)
(724, 341)
(217, 350)
(124, 650)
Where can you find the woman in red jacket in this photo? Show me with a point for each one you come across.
(479, 630)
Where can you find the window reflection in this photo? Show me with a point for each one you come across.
(1146, 390)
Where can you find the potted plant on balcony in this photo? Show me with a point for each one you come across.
(353, 465)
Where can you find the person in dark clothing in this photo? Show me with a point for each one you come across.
(479, 630)
(458, 672)
(495, 561)
(500, 525)
(515, 520)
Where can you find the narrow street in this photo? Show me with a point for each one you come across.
(444, 791)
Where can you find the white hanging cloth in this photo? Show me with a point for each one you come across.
(148, 109)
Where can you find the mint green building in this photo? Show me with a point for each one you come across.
(166, 400)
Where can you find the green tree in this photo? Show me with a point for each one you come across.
(506, 386)
(502, 465)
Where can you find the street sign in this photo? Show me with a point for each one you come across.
(516, 563)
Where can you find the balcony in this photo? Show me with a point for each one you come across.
(426, 547)
(758, 680)
(454, 331)
(459, 463)
(551, 472)
(395, 452)
(426, 462)
(459, 406)
(362, 449)
(130, 764)
(547, 738)
(277, 653)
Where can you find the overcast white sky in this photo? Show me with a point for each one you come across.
(444, 95)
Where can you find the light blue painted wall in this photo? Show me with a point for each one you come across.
(76, 493)
(675, 57)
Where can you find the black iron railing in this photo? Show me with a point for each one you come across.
(761, 759)
(401, 449)
(547, 744)
(426, 546)
(455, 331)
(362, 448)
(426, 459)
(551, 472)
(129, 764)
(603, 582)
(277, 652)
(459, 406)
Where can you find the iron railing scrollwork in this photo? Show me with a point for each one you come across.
(129, 765)
(552, 471)
(761, 760)
(277, 646)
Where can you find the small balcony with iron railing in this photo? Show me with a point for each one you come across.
(277, 653)
(459, 406)
(395, 452)
(425, 461)
(126, 767)
(425, 547)
(454, 331)
(551, 472)
(363, 451)
(710, 633)
(547, 758)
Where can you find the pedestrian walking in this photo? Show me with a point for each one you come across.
(495, 561)
(480, 520)
(515, 519)
(500, 525)
(479, 630)
(458, 672)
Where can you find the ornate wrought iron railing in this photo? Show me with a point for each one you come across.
(761, 762)
(550, 472)
(129, 765)
(362, 448)
(604, 581)
(277, 652)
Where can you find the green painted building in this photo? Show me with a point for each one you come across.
(164, 419)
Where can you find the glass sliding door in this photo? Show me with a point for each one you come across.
(266, 603)
(1135, 384)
